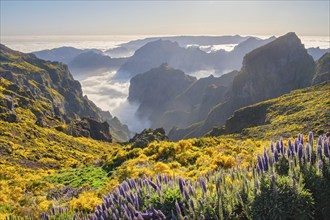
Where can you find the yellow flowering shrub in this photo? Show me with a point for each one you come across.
(85, 202)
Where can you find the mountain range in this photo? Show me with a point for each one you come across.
(59, 152)
(267, 72)
(49, 91)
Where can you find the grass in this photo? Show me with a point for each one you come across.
(94, 177)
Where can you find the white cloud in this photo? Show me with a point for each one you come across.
(111, 95)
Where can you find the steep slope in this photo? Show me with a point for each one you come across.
(269, 71)
(170, 98)
(48, 89)
(197, 100)
(235, 57)
(322, 69)
(300, 110)
(154, 89)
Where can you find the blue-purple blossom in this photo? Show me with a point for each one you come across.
(177, 207)
(203, 185)
(300, 151)
(319, 150)
(192, 205)
(272, 147)
(326, 149)
(308, 152)
(311, 138)
(276, 156)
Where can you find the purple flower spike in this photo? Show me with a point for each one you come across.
(260, 162)
(308, 151)
(276, 156)
(319, 151)
(265, 164)
(301, 139)
(311, 138)
(53, 210)
(181, 185)
(191, 190)
(272, 147)
(278, 147)
(203, 184)
(288, 153)
(192, 205)
(300, 151)
(281, 145)
(153, 185)
(258, 170)
(45, 216)
(290, 145)
(177, 207)
(319, 141)
(326, 149)
(185, 193)
(296, 143)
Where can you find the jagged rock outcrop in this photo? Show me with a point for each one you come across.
(246, 117)
(46, 88)
(87, 127)
(169, 98)
(155, 88)
(7, 109)
(322, 69)
(293, 110)
(147, 136)
(274, 69)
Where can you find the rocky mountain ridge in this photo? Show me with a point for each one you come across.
(50, 92)
(281, 66)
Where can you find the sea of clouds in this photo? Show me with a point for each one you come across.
(110, 94)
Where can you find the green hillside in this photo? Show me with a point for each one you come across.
(50, 163)
(301, 110)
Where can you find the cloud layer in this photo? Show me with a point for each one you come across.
(112, 95)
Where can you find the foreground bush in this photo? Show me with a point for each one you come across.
(288, 182)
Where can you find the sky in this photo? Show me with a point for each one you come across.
(308, 18)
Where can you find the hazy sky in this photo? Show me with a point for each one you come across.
(164, 17)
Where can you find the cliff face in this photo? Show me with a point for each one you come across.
(274, 69)
(154, 89)
(169, 98)
(268, 72)
(47, 88)
(322, 69)
(302, 109)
